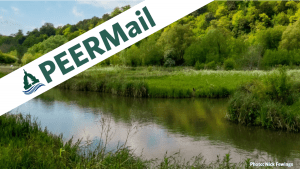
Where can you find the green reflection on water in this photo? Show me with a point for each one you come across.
(195, 118)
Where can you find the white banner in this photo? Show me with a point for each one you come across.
(91, 48)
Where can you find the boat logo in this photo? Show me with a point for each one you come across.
(34, 84)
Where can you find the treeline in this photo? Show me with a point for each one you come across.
(221, 35)
(40, 41)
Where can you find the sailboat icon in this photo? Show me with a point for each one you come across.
(33, 85)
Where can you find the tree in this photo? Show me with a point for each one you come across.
(48, 29)
(20, 52)
(271, 37)
(231, 5)
(267, 8)
(291, 37)
(215, 44)
(221, 11)
(177, 39)
(48, 45)
(281, 19)
(116, 12)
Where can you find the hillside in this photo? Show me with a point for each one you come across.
(221, 35)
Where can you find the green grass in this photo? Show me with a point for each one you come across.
(177, 82)
(272, 102)
(2, 74)
(23, 144)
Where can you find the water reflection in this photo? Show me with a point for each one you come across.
(192, 126)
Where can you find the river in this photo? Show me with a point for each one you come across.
(192, 126)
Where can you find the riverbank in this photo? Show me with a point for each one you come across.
(271, 103)
(25, 144)
(2, 74)
(160, 82)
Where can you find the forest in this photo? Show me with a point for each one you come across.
(221, 35)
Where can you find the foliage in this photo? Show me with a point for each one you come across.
(194, 53)
(28, 57)
(269, 103)
(47, 45)
(229, 64)
(6, 58)
(199, 66)
(169, 62)
(291, 37)
(133, 56)
(271, 37)
(211, 65)
(243, 31)
(177, 38)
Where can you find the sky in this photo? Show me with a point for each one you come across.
(28, 15)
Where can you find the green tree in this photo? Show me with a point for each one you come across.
(281, 19)
(291, 37)
(48, 29)
(177, 39)
(48, 45)
(271, 37)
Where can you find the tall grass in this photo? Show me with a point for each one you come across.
(2, 74)
(23, 144)
(272, 102)
(177, 82)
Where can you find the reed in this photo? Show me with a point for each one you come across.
(23, 144)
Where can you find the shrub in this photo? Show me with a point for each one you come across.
(28, 57)
(6, 58)
(269, 103)
(48, 45)
(193, 54)
(169, 63)
(211, 65)
(149, 68)
(276, 57)
(199, 65)
(229, 64)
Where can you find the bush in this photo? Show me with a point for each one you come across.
(193, 54)
(48, 45)
(6, 58)
(169, 63)
(150, 68)
(199, 65)
(28, 57)
(281, 57)
(211, 65)
(269, 103)
(133, 56)
(229, 64)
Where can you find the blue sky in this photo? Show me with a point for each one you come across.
(27, 15)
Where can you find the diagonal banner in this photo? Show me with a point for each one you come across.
(91, 48)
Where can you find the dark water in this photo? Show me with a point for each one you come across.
(191, 126)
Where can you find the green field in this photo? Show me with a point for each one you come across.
(176, 82)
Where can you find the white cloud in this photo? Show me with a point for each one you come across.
(109, 4)
(1, 17)
(77, 13)
(15, 9)
(3, 10)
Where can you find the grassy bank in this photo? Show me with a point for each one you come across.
(25, 145)
(2, 74)
(272, 102)
(177, 82)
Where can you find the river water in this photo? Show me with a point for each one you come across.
(192, 126)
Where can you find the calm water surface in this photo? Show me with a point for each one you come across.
(191, 126)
